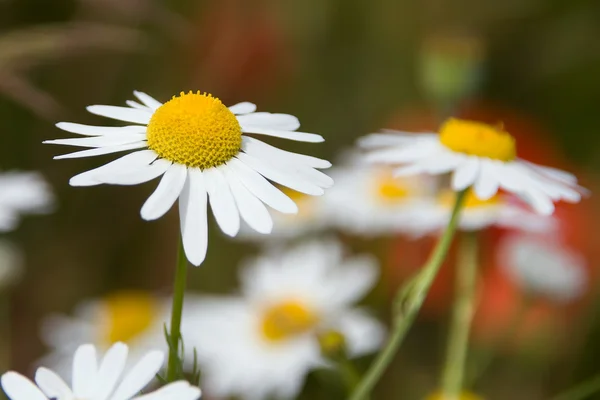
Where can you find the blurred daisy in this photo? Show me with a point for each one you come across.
(501, 211)
(264, 342)
(201, 149)
(479, 155)
(368, 200)
(543, 266)
(132, 317)
(22, 193)
(99, 381)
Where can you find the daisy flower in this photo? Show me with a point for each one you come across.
(431, 216)
(543, 266)
(369, 201)
(98, 381)
(478, 155)
(202, 150)
(133, 317)
(22, 193)
(263, 342)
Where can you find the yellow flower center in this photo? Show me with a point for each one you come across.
(389, 189)
(478, 139)
(127, 315)
(461, 396)
(447, 198)
(287, 319)
(195, 130)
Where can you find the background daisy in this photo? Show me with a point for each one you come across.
(22, 193)
(263, 342)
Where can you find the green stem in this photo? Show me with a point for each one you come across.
(462, 315)
(348, 373)
(581, 391)
(407, 304)
(174, 366)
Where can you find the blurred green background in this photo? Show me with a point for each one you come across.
(344, 67)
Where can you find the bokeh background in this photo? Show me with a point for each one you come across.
(345, 68)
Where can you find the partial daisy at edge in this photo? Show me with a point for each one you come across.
(203, 151)
(478, 155)
(103, 379)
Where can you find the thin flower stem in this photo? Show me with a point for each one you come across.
(581, 391)
(407, 304)
(349, 374)
(174, 365)
(462, 315)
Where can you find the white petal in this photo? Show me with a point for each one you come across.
(85, 368)
(414, 151)
(222, 201)
(286, 178)
(251, 209)
(110, 370)
(540, 202)
(148, 100)
(392, 138)
(262, 188)
(103, 150)
(486, 185)
(166, 193)
(135, 176)
(17, 387)
(260, 149)
(122, 113)
(100, 141)
(465, 174)
(136, 105)
(127, 162)
(285, 122)
(312, 175)
(89, 130)
(52, 384)
(297, 136)
(243, 108)
(554, 173)
(139, 376)
(193, 218)
(363, 333)
(180, 390)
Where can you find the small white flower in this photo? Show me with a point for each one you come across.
(99, 381)
(432, 215)
(369, 201)
(204, 154)
(479, 155)
(133, 317)
(264, 342)
(22, 193)
(543, 266)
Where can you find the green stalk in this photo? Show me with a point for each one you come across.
(174, 365)
(462, 315)
(407, 304)
(582, 391)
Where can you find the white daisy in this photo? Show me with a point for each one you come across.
(369, 201)
(479, 155)
(99, 381)
(264, 342)
(134, 317)
(22, 193)
(202, 150)
(544, 266)
(432, 215)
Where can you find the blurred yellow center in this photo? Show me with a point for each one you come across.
(286, 320)
(462, 396)
(448, 198)
(195, 130)
(128, 314)
(390, 189)
(478, 139)
(305, 203)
